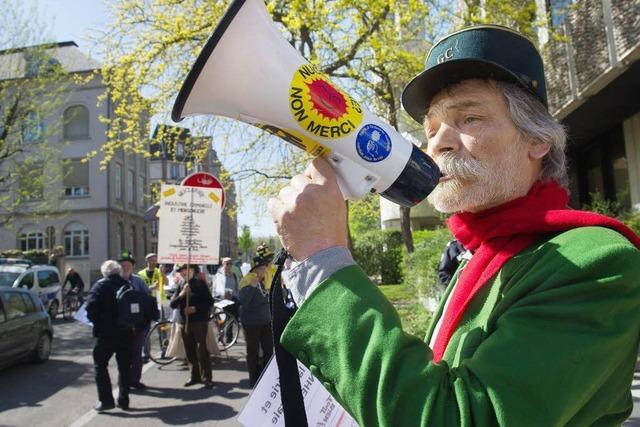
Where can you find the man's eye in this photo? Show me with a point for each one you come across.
(470, 119)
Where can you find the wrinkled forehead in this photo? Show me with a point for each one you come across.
(468, 93)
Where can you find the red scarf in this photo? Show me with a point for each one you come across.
(497, 234)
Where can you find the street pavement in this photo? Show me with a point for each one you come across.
(62, 391)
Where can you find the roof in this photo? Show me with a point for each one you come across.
(14, 63)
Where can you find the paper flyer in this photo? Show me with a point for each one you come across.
(264, 407)
(81, 315)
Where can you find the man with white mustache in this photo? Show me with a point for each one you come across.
(540, 323)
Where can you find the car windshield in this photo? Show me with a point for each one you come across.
(7, 278)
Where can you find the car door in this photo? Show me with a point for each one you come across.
(46, 287)
(18, 326)
(5, 344)
(25, 281)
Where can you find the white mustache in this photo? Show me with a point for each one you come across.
(460, 167)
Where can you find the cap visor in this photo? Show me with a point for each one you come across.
(417, 95)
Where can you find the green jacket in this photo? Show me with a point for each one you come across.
(550, 341)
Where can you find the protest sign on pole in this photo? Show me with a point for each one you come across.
(189, 221)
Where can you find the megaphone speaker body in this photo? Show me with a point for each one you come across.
(249, 72)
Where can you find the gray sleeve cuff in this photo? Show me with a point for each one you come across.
(303, 277)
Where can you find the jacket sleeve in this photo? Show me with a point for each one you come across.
(247, 296)
(206, 300)
(176, 300)
(562, 348)
(93, 303)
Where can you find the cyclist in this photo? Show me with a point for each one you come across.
(76, 284)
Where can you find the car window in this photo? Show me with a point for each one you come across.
(44, 279)
(7, 278)
(27, 281)
(29, 304)
(3, 317)
(15, 305)
(53, 277)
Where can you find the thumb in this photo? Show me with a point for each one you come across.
(321, 172)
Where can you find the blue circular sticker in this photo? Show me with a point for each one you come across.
(373, 143)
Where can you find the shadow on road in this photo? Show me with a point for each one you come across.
(53, 376)
(196, 393)
(181, 414)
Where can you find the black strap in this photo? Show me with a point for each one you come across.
(290, 389)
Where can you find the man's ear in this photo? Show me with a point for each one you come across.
(539, 150)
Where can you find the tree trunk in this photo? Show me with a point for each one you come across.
(405, 226)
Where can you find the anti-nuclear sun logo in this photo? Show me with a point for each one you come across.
(321, 108)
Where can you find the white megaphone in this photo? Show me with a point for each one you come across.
(249, 72)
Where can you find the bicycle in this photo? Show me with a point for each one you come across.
(70, 304)
(157, 342)
(225, 324)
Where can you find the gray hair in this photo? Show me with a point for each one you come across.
(537, 126)
(110, 267)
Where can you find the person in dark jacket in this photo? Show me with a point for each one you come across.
(450, 261)
(102, 311)
(75, 284)
(255, 317)
(194, 301)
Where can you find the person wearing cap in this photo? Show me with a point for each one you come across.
(264, 252)
(539, 325)
(255, 317)
(151, 274)
(154, 278)
(128, 262)
(226, 280)
(194, 333)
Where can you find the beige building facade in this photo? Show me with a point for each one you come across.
(94, 213)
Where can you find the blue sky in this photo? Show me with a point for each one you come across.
(74, 20)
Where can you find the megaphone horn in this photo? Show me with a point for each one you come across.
(249, 72)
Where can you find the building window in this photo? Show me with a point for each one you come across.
(31, 180)
(130, 183)
(76, 240)
(119, 237)
(132, 239)
(32, 128)
(180, 150)
(557, 10)
(603, 169)
(154, 228)
(175, 171)
(118, 181)
(30, 240)
(76, 179)
(144, 240)
(141, 186)
(76, 123)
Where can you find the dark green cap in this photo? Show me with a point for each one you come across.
(483, 51)
(126, 256)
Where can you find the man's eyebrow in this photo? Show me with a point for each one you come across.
(454, 106)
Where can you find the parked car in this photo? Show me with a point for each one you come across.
(25, 327)
(43, 280)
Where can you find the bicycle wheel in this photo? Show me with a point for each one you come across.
(228, 329)
(68, 306)
(157, 342)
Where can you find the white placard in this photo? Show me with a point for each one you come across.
(189, 225)
(264, 407)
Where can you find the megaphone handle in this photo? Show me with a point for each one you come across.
(354, 180)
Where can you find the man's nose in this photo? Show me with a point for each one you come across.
(447, 138)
